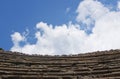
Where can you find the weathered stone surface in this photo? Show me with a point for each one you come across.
(96, 65)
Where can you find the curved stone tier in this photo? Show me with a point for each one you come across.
(96, 65)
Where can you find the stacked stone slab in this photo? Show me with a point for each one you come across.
(96, 65)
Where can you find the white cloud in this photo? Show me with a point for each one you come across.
(69, 39)
(119, 5)
(89, 11)
(60, 40)
(17, 37)
(105, 33)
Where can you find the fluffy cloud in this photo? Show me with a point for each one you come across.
(69, 38)
(105, 34)
(17, 38)
(90, 9)
(119, 5)
(56, 40)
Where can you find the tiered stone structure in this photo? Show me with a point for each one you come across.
(96, 65)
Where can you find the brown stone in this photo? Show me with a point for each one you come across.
(96, 65)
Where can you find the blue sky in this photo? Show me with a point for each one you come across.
(17, 16)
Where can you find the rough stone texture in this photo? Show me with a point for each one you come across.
(96, 65)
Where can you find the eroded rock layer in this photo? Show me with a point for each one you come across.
(96, 65)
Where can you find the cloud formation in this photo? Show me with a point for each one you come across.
(89, 11)
(70, 38)
(119, 5)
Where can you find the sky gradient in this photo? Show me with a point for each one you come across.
(59, 26)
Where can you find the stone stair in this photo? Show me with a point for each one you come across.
(96, 65)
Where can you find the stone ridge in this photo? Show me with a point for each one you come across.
(96, 65)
